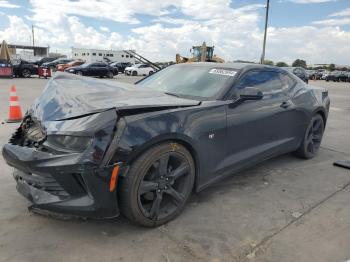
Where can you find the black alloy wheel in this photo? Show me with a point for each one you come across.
(313, 137)
(158, 185)
(26, 73)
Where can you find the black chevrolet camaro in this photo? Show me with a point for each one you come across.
(93, 148)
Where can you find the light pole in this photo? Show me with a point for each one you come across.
(262, 59)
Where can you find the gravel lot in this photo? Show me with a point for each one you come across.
(285, 209)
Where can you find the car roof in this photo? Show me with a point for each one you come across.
(236, 66)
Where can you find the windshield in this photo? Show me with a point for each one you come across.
(190, 81)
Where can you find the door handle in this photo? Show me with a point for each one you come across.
(286, 104)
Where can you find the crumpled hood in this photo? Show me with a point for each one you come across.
(67, 95)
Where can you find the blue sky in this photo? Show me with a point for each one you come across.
(161, 28)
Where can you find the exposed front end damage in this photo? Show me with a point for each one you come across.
(58, 164)
(63, 153)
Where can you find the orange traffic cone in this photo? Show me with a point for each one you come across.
(15, 112)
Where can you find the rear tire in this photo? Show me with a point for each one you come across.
(110, 75)
(150, 73)
(158, 185)
(312, 138)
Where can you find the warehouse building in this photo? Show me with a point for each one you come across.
(97, 55)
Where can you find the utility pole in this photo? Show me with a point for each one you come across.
(33, 39)
(262, 59)
(33, 35)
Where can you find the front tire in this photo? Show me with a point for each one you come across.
(134, 73)
(312, 138)
(26, 73)
(158, 185)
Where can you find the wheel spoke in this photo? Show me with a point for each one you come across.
(177, 197)
(316, 125)
(163, 165)
(147, 186)
(154, 212)
(179, 171)
(311, 147)
(317, 138)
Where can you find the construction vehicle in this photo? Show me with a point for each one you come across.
(201, 53)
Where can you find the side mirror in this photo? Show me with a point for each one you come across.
(250, 93)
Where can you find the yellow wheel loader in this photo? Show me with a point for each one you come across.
(201, 53)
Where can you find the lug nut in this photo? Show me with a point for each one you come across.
(158, 190)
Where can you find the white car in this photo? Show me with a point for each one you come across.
(139, 69)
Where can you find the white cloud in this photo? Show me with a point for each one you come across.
(104, 29)
(6, 4)
(345, 12)
(333, 22)
(314, 44)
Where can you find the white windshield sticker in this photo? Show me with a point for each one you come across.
(222, 72)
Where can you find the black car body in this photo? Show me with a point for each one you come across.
(97, 69)
(56, 62)
(84, 144)
(120, 66)
(299, 72)
(22, 68)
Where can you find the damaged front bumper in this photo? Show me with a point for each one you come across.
(61, 184)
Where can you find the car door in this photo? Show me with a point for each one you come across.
(91, 70)
(143, 69)
(259, 129)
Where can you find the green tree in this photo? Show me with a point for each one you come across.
(281, 64)
(268, 62)
(331, 67)
(299, 63)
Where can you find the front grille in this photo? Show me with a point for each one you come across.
(41, 182)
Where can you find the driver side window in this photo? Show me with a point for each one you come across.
(268, 82)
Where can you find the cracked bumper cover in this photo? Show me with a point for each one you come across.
(61, 184)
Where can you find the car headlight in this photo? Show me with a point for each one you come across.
(69, 143)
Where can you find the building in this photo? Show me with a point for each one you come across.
(95, 55)
(27, 52)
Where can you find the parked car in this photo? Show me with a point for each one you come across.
(312, 74)
(22, 68)
(54, 63)
(324, 76)
(320, 73)
(139, 69)
(96, 148)
(99, 69)
(45, 60)
(120, 66)
(337, 76)
(299, 72)
(62, 67)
